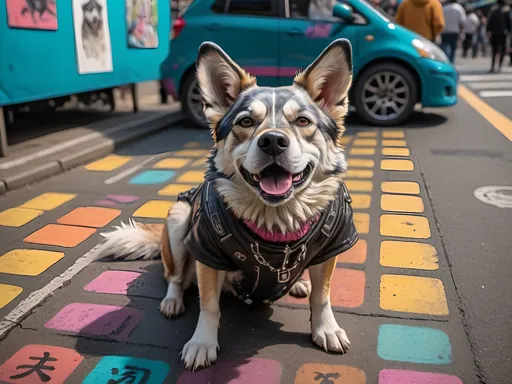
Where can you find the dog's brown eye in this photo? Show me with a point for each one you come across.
(246, 122)
(302, 121)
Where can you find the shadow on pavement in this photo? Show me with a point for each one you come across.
(419, 119)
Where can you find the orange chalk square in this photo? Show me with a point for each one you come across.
(310, 373)
(356, 254)
(90, 216)
(60, 235)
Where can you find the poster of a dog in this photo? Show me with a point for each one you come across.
(141, 22)
(32, 14)
(92, 36)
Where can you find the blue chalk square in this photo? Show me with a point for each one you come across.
(152, 177)
(414, 344)
(125, 369)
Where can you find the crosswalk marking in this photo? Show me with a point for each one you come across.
(486, 94)
(487, 77)
(491, 85)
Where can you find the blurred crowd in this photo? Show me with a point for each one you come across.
(451, 24)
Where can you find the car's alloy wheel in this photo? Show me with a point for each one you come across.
(192, 102)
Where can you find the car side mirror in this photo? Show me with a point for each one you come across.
(343, 11)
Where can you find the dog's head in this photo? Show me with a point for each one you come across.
(278, 148)
(92, 12)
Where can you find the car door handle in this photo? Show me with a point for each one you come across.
(295, 32)
(213, 27)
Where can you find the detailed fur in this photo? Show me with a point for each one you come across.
(308, 116)
(93, 33)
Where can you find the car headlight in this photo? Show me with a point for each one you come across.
(429, 50)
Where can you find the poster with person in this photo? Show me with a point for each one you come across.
(142, 23)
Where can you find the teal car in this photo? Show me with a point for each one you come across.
(394, 68)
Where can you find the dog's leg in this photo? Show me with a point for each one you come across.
(324, 328)
(174, 258)
(201, 350)
(302, 288)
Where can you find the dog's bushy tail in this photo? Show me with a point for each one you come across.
(131, 241)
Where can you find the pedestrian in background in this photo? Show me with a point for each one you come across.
(425, 17)
(470, 29)
(498, 27)
(454, 19)
(480, 40)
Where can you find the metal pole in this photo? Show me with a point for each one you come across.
(3, 135)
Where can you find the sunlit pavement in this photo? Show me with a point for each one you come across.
(421, 297)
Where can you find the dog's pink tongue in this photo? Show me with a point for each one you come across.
(276, 185)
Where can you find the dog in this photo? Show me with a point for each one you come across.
(273, 202)
(93, 33)
(37, 6)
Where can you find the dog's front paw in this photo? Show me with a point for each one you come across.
(199, 354)
(172, 307)
(302, 288)
(331, 337)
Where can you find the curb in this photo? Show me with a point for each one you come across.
(133, 130)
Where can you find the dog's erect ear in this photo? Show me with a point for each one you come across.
(221, 80)
(328, 78)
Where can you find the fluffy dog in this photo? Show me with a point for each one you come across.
(93, 33)
(273, 202)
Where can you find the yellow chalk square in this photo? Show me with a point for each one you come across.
(416, 227)
(394, 143)
(48, 201)
(393, 134)
(359, 185)
(108, 163)
(413, 294)
(403, 254)
(361, 163)
(361, 200)
(402, 203)
(191, 177)
(172, 163)
(8, 293)
(403, 187)
(362, 222)
(192, 144)
(28, 262)
(345, 140)
(16, 217)
(199, 163)
(365, 142)
(192, 153)
(359, 173)
(362, 151)
(175, 189)
(366, 134)
(392, 151)
(155, 209)
(396, 165)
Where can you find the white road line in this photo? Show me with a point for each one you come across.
(70, 143)
(25, 307)
(491, 85)
(129, 171)
(495, 93)
(488, 77)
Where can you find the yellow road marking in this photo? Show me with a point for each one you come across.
(390, 151)
(362, 151)
(401, 203)
(394, 143)
(175, 189)
(345, 140)
(361, 163)
(393, 134)
(499, 121)
(361, 200)
(28, 262)
(191, 177)
(359, 173)
(403, 254)
(48, 201)
(155, 209)
(366, 134)
(8, 293)
(403, 187)
(108, 163)
(416, 227)
(172, 163)
(362, 222)
(16, 217)
(359, 185)
(192, 153)
(365, 142)
(396, 165)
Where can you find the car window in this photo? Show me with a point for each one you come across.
(219, 6)
(320, 10)
(249, 7)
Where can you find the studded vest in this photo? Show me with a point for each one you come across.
(269, 270)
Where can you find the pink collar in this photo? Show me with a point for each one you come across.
(277, 236)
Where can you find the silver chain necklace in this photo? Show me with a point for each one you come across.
(283, 273)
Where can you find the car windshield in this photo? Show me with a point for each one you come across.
(376, 9)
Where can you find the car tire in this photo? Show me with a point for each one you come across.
(385, 94)
(191, 101)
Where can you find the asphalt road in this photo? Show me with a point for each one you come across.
(432, 309)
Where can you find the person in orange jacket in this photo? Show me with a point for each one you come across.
(424, 17)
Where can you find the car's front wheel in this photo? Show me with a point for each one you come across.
(191, 101)
(385, 94)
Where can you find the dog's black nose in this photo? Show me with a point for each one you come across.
(273, 143)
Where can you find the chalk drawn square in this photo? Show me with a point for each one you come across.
(98, 320)
(117, 368)
(115, 282)
(253, 371)
(325, 373)
(152, 177)
(63, 360)
(396, 376)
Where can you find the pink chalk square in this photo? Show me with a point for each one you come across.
(124, 199)
(98, 320)
(397, 376)
(116, 282)
(105, 202)
(251, 371)
(35, 363)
